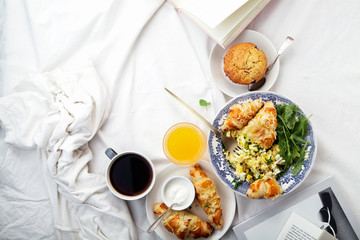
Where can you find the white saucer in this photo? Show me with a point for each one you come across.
(216, 64)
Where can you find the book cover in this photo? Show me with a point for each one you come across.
(322, 204)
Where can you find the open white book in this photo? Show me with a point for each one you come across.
(222, 20)
(299, 228)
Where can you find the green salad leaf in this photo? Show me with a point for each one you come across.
(292, 129)
(204, 103)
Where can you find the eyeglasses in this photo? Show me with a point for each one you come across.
(327, 218)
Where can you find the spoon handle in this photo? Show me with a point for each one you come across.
(157, 221)
(282, 48)
(201, 118)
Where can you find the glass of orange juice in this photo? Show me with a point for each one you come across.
(184, 143)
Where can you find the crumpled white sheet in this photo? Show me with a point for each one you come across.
(58, 113)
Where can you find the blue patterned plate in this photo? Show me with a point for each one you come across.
(227, 174)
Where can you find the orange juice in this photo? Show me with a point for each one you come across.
(184, 143)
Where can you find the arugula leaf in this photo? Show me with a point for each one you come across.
(292, 129)
(298, 164)
(298, 139)
(204, 103)
(301, 127)
(288, 111)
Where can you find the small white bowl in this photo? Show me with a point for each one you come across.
(178, 188)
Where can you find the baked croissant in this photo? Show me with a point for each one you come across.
(205, 192)
(262, 128)
(183, 223)
(264, 188)
(241, 114)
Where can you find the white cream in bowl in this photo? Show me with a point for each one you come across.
(178, 189)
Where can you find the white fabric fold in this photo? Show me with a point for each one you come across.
(58, 113)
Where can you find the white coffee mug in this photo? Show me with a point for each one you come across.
(129, 175)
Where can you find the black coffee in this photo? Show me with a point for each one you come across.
(131, 174)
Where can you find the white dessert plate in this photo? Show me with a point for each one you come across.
(216, 64)
(227, 198)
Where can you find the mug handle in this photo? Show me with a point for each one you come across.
(110, 153)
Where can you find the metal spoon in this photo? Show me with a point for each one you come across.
(256, 85)
(157, 221)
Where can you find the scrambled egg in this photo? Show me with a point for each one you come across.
(250, 161)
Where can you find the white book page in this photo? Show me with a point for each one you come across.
(299, 228)
(211, 12)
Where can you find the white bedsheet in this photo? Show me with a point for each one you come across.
(133, 48)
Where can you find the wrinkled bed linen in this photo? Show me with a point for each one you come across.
(58, 113)
(131, 55)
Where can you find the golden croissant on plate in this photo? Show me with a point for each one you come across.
(183, 223)
(205, 192)
(262, 128)
(241, 114)
(267, 187)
